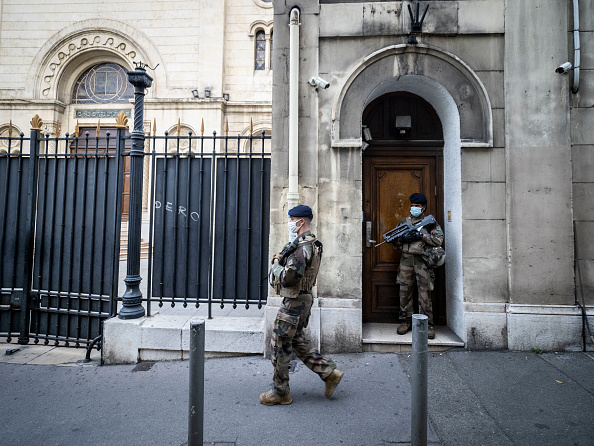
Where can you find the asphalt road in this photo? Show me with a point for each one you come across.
(475, 398)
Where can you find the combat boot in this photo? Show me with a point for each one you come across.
(332, 381)
(404, 327)
(271, 398)
(430, 332)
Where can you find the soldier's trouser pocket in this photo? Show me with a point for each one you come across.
(285, 324)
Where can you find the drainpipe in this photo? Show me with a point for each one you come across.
(293, 195)
(576, 47)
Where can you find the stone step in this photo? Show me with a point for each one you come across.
(167, 338)
(382, 338)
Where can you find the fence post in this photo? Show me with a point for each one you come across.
(122, 127)
(132, 300)
(418, 423)
(196, 406)
(36, 124)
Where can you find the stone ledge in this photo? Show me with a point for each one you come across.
(487, 307)
(560, 310)
(382, 338)
(322, 302)
(545, 331)
(166, 338)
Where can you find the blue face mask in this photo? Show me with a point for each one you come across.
(416, 211)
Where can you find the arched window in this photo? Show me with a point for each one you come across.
(260, 50)
(271, 47)
(256, 144)
(106, 83)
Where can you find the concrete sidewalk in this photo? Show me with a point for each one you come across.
(475, 398)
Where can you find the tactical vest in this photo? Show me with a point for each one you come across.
(311, 270)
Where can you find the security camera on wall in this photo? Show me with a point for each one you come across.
(564, 68)
(318, 82)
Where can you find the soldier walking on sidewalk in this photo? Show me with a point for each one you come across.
(293, 274)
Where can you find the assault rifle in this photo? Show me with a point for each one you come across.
(291, 247)
(406, 228)
(288, 250)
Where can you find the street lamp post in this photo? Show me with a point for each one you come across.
(132, 300)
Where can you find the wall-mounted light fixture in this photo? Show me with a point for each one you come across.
(403, 126)
(195, 93)
(226, 96)
(207, 92)
(367, 134)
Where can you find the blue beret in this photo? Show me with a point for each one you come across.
(301, 211)
(418, 199)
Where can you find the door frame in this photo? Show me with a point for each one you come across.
(394, 150)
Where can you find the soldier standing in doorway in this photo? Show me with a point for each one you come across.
(413, 267)
(293, 274)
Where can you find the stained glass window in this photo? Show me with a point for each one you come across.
(260, 50)
(105, 83)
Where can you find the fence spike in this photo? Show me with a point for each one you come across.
(98, 127)
(202, 127)
(154, 126)
(10, 129)
(58, 128)
(226, 127)
(178, 127)
(77, 129)
(121, 121)
(251, 126)
(36, 123)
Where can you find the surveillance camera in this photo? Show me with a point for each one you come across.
(564, 68)
(318, 82)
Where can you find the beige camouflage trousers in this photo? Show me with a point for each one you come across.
(287, 337)
(414, 270)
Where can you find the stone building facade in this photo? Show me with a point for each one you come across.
(66, 61)
(473, 114)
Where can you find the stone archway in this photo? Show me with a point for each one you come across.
(447, 110)
(388, 67)
(90, 39)
(461, 102)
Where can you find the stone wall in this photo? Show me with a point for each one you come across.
(582, 137)
(521, 186)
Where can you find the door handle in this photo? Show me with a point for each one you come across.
(368, 241)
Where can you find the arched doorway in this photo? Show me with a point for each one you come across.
(404, 155)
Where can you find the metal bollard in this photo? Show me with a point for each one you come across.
(196, 406)
(418, 422)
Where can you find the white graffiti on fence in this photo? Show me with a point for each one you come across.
(181, 210)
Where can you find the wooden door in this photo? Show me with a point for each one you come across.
(388, 184)
(405, 155)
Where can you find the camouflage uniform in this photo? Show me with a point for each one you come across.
(295, 281)
(414, 268)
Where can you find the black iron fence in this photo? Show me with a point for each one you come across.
(14, 173)
(60, 216)
(60, 219)
(61, 211)
(209, 220)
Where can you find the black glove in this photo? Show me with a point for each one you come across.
(410, 236)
